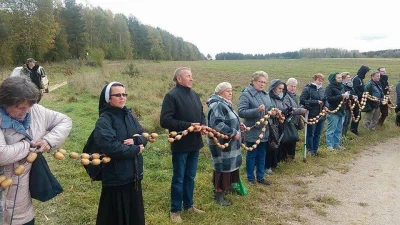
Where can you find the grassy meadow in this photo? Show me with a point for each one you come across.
(279, 203)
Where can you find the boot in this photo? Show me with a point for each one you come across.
(220, 200)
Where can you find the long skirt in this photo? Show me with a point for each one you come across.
(121, 205)
(224, 181)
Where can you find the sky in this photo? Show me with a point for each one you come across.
(268, 26)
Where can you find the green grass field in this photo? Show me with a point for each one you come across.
(279, 203)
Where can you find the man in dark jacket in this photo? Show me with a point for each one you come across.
(358, 85)
(31, 71)
(386, 90)
(181, 109)
(372, 109)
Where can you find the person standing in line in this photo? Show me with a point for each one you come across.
(397, 109)
(334, 94)
(226, 162)
(384, 80)
(358, 85)
(182, 108)
(121, 200)
(313, 99)
(253, 104)
(348, 87)
(372, 109)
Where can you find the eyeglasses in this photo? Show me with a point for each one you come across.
(119, 95)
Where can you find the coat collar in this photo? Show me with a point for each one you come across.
(253, 91)
(7, 122)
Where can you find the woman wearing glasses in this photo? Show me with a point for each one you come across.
(121, 200)
(253, 104)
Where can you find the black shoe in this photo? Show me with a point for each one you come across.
(253, 182)
(264, 182)
(355, 132)
(220, 200)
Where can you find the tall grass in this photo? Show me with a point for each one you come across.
(280, 203)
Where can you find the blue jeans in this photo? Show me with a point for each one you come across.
(256, 158)
(182, 185)
(314, 135)
(334, 130)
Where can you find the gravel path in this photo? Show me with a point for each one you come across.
(369, 193)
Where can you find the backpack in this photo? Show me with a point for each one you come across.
(90, 147)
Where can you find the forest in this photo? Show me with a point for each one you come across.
(56, 30)
(311, 53)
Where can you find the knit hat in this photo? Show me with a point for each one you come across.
(332, 77)
(222, 87)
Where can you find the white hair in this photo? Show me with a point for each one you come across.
(291, 81)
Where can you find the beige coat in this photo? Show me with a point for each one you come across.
(46, 124)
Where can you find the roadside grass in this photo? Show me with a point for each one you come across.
(279, 203)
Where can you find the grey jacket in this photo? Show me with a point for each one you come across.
(248, 104)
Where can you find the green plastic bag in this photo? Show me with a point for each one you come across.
(240, 188)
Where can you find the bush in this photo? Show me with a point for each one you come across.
(131, 70)
(96, 57)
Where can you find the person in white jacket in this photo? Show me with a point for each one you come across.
(19, 117)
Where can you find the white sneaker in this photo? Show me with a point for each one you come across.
(330, 148)
(341, 148)
(269, 171)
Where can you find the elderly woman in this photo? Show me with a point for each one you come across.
(20, 120)
(334, 94)
(348, 87)
(282, 101)
(313, 99)
(253, 104)
(226, 162)
(121, 200)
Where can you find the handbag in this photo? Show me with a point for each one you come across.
(275, 134)
(240, 188)
(43, 186)
(290, 133)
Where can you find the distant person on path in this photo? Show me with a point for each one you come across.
(372, 109)
(181, 109)
(31, 71)
(313, 99)
(334, 94)
(226, 162)
(348, 87)
(384, 80)
(253, 104)
(358, 85)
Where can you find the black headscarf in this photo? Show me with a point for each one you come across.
(103, 104)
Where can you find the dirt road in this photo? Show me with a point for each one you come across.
(54, 87)
(368, 194)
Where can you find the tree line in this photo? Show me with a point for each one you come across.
(312, 53)
(56, 30)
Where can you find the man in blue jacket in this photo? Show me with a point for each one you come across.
(181, 109)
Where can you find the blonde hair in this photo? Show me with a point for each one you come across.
(257, 75)
(344, 74)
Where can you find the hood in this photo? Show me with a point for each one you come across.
(363, 71)
(275, 83)
(332, 78)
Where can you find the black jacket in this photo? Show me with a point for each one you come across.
(112, 128)
(309, 99)
(35, 76)
(351, 91)
(385, 83)
(358, 83)
(182, 107)
(333, 95)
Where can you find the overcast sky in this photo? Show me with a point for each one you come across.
(266, 26)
